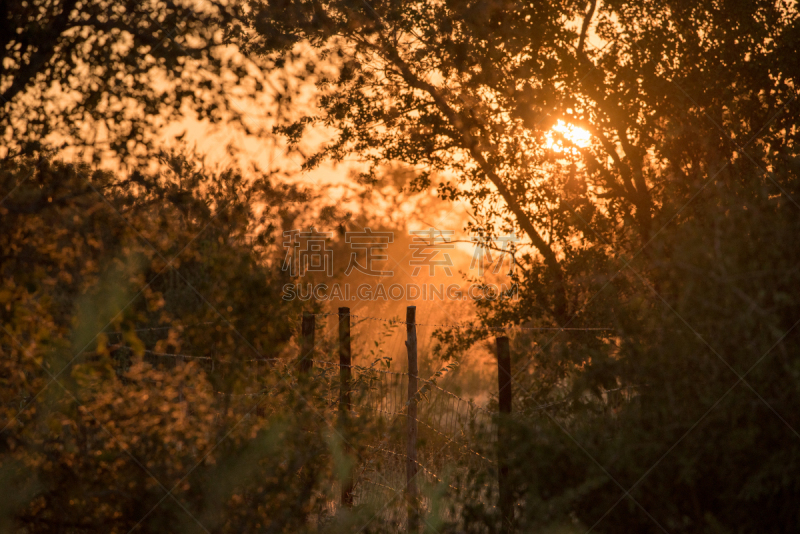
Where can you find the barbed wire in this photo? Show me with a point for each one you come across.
(420, 392)
(370, 481)
(453, 395)
(391, 321)
(448, 438)
(466, 326)
(386, 393)
(424, 469)
(428, 381)
(114, 348)
(166, 327)
(423, 423)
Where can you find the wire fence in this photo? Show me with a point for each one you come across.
(470, 326)
(449, 429)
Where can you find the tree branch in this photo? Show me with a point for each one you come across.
(585, 27)
(44, 52)
(472, 145)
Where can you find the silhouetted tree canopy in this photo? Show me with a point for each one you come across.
(671, 225)
(106, 75)
(673, 95)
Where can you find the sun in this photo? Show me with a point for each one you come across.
(575, 135)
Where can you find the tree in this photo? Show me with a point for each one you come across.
(668, 226)
(474, 88)
(106, 283)
(107, 75)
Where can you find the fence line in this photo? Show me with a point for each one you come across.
(187, 357)
(393, 321)
(166, 327)
(401, 455)
(431, 383)
(448, 438)
(422, 401)
(378, 396)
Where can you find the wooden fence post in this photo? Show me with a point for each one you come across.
(506, 503)
(307, 343)
(305, 365)
(345, 371)
(411, 449)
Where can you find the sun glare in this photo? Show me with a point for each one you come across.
(575, 135)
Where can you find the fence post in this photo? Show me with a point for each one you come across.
(305, 364)
(411, 449)
(307, 343)
(506, 503)
(345, 370)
